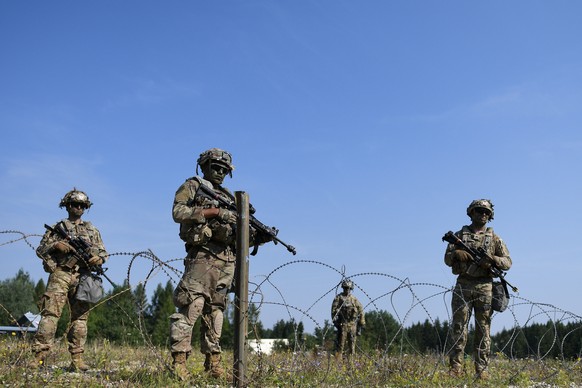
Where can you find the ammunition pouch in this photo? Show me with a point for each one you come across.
(195, 234)
(223, 233)
(67, 262)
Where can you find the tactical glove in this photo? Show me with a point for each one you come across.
(461, 255)
(62, 247)
(227, 216)
(95, 260)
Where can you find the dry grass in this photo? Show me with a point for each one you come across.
(121, 366)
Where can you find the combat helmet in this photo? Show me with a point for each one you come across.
(216, 155)
(348, 284)
(75, 196)
(481, 203)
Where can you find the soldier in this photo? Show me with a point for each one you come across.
(65, 269)
(208, 232)
(473, 291)
(347, 315)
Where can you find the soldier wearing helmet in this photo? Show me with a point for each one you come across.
(473, 291)
(347, 315)
(207, 229)
(65, 269)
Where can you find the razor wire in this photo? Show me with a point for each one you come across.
(402, 298)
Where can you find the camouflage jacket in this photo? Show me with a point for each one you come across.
(492, 244)
(347, 309)
(85, 230)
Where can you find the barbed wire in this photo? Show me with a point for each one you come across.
(403, 299)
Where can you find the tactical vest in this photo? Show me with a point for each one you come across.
(347, 311)
(475, 241)
(213, 230)
(87, 232)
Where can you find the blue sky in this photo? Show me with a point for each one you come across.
(362, 130)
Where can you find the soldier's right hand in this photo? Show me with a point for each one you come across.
(461, 255)
(227, 216)
(62, 247)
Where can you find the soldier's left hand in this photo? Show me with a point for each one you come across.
(227, 216)
(461, 255)
(95, 260)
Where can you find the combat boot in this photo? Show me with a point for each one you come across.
(207, 363)
(39, 359)
(77, 363)
(455, 371)
(483, 375)
(216, 370)
(179, 366)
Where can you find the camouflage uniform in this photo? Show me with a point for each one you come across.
(347, 315)
(62, 285)
(209, 269)
(473, 292)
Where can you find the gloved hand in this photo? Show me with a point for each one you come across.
(95, 260)
(62, 247)
(461, 255)
(227, 216)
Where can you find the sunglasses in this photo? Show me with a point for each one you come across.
(482, 211)
(79, 205)
(220, 169)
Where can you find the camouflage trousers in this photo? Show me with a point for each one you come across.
(202, 292)
(346, 333)
(60, 290)
(471, 295)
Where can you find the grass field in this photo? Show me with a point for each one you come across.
(123, 366)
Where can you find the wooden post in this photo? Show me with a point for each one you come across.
(242, 290)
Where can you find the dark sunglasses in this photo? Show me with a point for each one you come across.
(219, 168)
(481, 210)
(78, 204)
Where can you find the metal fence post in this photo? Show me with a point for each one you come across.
(242, 290)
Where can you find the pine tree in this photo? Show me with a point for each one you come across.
(159, 312)
(16, 298)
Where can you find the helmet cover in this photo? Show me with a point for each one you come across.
(75, 196)
(483, 204)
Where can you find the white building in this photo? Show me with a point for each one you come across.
(265, 345)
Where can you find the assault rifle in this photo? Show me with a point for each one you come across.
(81, 251)
(479, 256)
(270, 231)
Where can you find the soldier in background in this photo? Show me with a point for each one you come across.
(65, 269)
(347, 315)
(473, 291)
(210, 241)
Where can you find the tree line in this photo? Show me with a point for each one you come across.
(125, 316)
